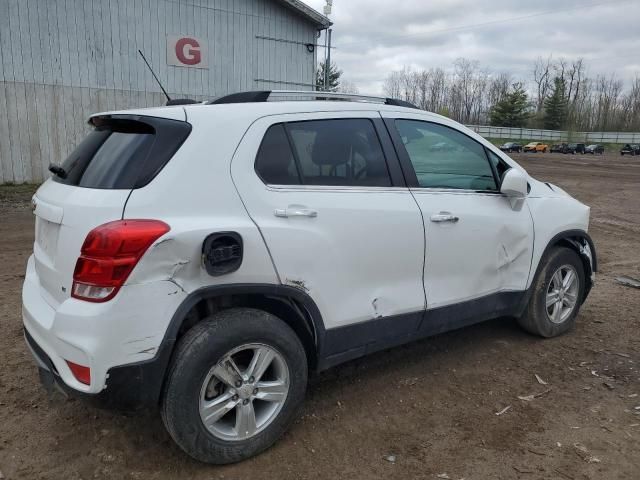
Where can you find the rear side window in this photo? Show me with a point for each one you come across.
(275, 163)
(341, 152)
(123, 152)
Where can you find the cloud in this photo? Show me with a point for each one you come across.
(374, 37)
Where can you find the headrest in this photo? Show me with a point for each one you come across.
(331, 145)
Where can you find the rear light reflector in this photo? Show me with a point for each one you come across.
(109, 254)
(82, 373)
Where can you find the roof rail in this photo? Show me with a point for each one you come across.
(266, 95)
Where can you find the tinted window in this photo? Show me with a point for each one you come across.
(275, 163)
(123, 153)
(445, 158)
(342, 152)
(499, 165)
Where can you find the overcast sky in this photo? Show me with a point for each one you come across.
(373, 37)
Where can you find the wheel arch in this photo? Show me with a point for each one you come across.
(293, 306)
(580, 242)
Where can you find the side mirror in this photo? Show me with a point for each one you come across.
(514, 187)
(514, 184)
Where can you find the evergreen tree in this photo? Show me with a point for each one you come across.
(334, 77)
(556, 106)
(513, 110)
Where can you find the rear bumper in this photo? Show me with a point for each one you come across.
(121, 341)
(129, 387)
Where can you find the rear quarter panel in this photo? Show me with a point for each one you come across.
(195, 196)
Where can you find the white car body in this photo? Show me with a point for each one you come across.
(369, 258)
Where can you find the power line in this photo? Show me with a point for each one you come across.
(490, 22)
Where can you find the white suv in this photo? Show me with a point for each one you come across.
(205, 258)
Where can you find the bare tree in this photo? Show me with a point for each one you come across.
(467, 93)
(542, 77)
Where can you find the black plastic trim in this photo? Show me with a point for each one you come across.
(393, 163)
(181, 101)
(411, 179)
(243, 97)
(209, 250)
(400, 103)
(353, 341)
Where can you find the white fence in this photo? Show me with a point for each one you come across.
(555, 135)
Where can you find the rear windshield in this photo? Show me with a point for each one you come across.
(123, 152)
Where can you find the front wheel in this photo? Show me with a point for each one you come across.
(558, 292)
(236, 384)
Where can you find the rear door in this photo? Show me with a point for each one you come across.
(121, 153)
(327, 193)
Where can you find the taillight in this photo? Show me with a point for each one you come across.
(82, 373)
(109, 254)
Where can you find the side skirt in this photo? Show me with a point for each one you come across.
(353, 341)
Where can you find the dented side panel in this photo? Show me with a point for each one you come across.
(202, 200)
(360, 257)
(487, 250)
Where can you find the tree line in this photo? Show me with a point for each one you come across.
(558, 95)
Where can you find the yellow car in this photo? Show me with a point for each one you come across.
(536, 147)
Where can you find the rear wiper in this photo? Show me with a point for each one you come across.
(57, 170)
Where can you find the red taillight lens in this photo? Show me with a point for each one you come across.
(82, 373)
(109, 254)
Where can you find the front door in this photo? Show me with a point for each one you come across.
(477, 245)
(336, 219)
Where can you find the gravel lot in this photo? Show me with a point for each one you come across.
(432, 404)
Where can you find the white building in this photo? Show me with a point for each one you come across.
(61, 60)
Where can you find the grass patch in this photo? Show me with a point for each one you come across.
(12, 193)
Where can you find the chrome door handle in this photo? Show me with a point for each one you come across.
(444, 217)
(293, 211)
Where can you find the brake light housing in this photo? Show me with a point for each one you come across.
(80, 372)
(109, 254)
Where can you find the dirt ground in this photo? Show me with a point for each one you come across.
(431, 404)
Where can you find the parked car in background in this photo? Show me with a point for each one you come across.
(536, 147)
(511, 147)
(558, 148)
(630, 150)
(594, 149)
(574, 148)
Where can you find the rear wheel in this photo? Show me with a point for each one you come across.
(236, 384)
(557, 295)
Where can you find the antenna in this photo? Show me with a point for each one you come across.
(154, 76)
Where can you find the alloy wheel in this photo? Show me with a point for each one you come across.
(562, 293)
(244, 392)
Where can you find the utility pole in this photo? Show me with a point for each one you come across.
(327, 65)
(327, 45)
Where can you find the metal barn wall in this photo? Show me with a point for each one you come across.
(61, 60)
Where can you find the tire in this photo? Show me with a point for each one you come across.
(537, 318)
(187, 385)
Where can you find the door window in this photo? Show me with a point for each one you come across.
(341, 152)
(445, 158)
